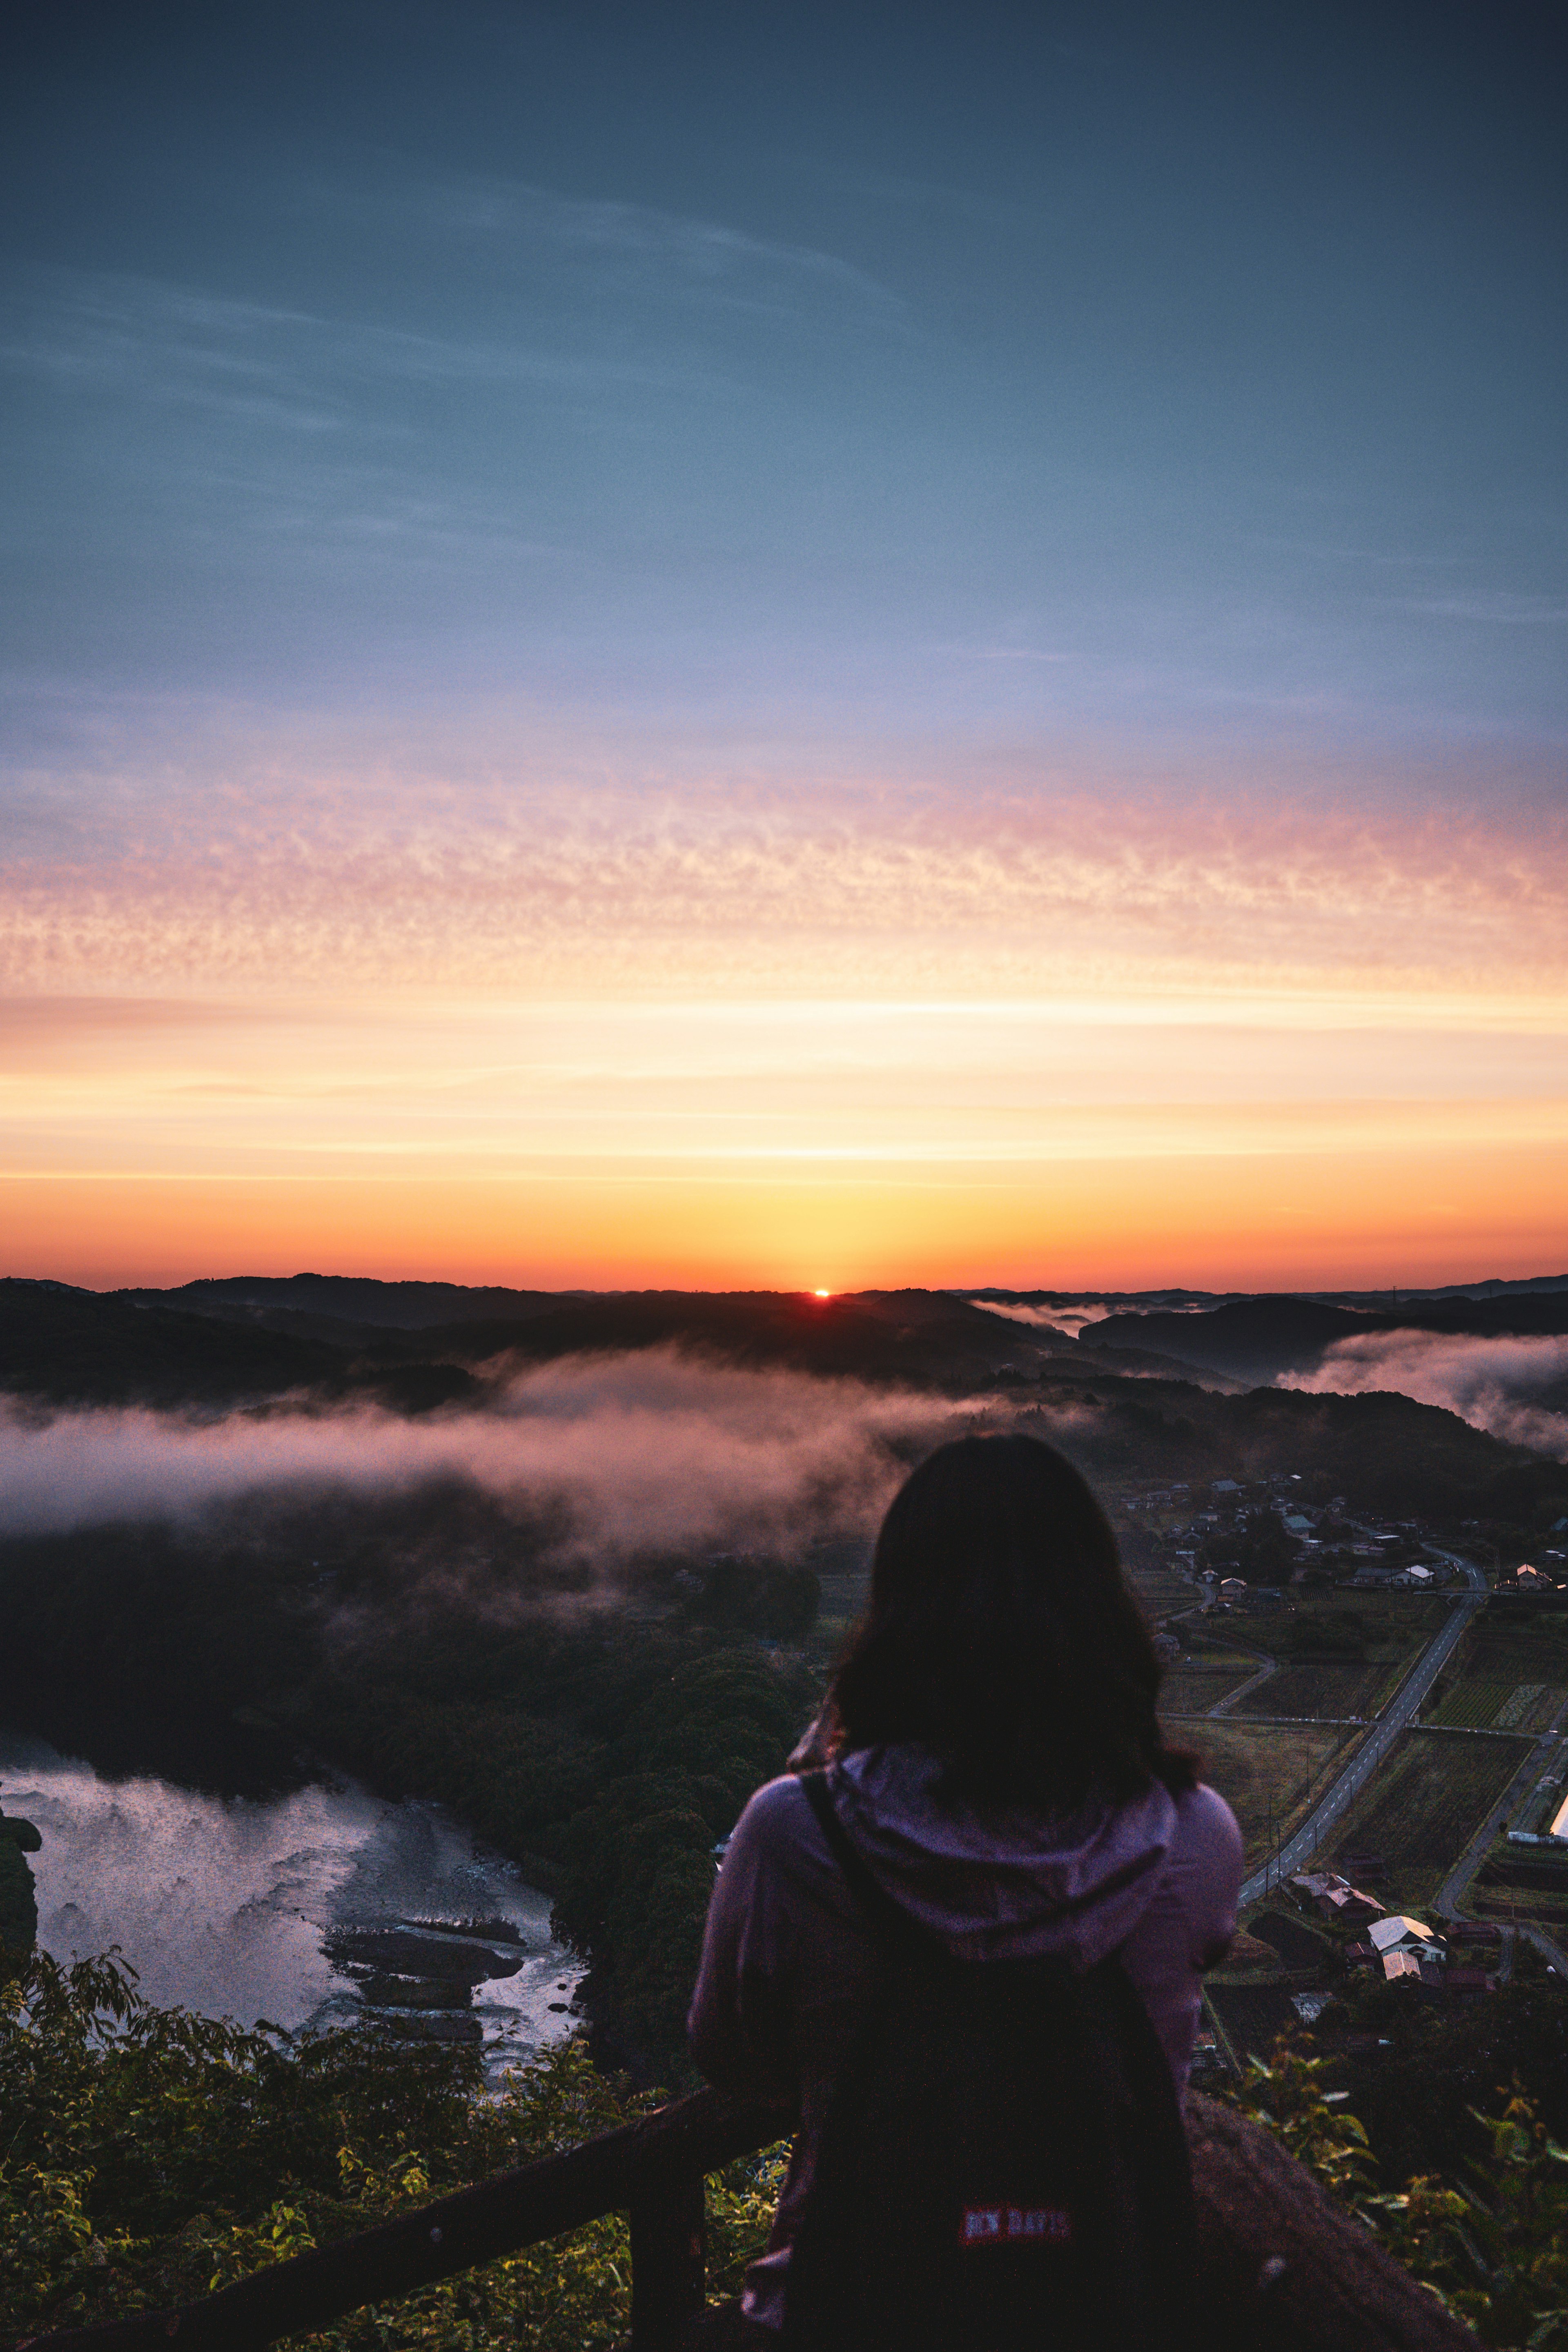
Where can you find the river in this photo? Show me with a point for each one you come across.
(223, 1903)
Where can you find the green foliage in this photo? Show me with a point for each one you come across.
(758, 1597)
(151, 2157)
(1491, 2242)
(1288, 2098)
(637, 1861)
(1495, 2246)
(555, 1735)
(1434, 2065)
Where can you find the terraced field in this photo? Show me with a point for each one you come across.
(1252, 2017)
(1505, 1903)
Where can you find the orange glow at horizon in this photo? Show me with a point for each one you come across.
(1118, 1226)
(1139, 1047)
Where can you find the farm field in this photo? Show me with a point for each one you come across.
(1250, 2016)
(1162, 1590)
(1511, 1676)
(1194, 1684)
(1505, 1903)
(1376, 1627)
(1494, 1704)
(1423, 1807)
(1256, 1765)
(1297, 1945)
(1328, 1687)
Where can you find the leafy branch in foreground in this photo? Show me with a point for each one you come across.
(149, 2156)
(1492, 2246)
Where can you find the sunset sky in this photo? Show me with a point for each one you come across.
(801, 645)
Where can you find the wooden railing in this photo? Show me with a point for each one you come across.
(1281, 2269)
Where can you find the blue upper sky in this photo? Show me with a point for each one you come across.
(801, 371)
(784, 642)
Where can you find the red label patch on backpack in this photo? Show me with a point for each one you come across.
(1015, 2225)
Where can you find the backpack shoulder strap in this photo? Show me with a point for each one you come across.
(890, 1921)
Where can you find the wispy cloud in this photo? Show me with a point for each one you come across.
(670, 255)
(1500, 606)
(1004, 653)
(1511, 1386)
(547, 863)
(142, 336)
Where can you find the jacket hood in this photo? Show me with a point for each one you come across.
(1005, 1885)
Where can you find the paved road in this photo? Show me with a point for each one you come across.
(1551, 1951)
(1266, 1667)
(1550, 1746)
(1373, 1751)
(1455, 1887)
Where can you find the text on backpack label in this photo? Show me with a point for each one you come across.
(1013, 2225)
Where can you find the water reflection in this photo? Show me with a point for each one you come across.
(221, 1903)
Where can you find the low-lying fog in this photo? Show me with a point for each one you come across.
(649, 1449)
(1510, 1386)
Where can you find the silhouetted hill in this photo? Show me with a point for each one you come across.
(1123, 1410)
(1382, 1451)
(79, 1347)
(348, 1300)
(923, 1338)
(1255, 1339)
(1542, 1313)
(1252, 1339)
(1495, 1287)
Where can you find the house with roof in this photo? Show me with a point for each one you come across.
(1400, 1939)
(1335, 1898)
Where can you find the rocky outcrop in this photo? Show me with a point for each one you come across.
(18, 1902)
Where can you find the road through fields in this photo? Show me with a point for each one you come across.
(1373, 1749)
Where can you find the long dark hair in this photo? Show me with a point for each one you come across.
(1001, 1635)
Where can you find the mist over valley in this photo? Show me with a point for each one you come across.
(575, 1565)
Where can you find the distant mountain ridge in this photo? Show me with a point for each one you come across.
(350, 1298)
(417, 1347)
(1117, 1398)
(1261, 1338)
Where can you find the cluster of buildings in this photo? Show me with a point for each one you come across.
(1369, 1555)
(1403, 1947)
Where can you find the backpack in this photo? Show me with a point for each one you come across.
(1003, 2165)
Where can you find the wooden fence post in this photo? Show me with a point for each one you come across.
(669, 2250)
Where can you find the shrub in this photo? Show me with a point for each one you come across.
(152, 2156)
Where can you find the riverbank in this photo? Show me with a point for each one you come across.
(291, 1905)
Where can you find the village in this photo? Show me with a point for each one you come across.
(1385, 1704)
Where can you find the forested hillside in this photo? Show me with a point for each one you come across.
(600, 1717)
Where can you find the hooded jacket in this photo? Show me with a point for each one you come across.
(788, 1960)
